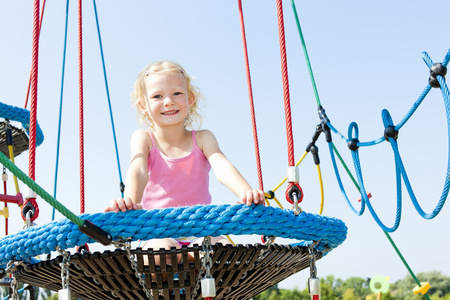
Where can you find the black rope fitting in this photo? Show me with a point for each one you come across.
(122, 187)
(315, 153)
(314, 137)
(324, 120)
(9, 136)
(327, 131)
(95, 232)
(435, 70)
(390, 132)
(271, 194)
(28, 207)
(353, 145)
(295, 190)
(322, 115)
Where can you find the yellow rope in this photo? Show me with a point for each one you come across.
(285, 178)
(321, 189)
(228, 237)
(11, 157)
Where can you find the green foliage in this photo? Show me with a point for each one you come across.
(355, 288)
(24, 294)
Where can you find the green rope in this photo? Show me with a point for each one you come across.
(306, 53)
(404, 262)
(334, 148)
(40, 191)
(345, 166)
(387, 234)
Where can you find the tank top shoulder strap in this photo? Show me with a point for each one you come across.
(154, 148)
(194, 141)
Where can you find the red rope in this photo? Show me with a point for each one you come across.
(31, 72)
(34, 86)
(284, 71)
(80, 82)
(250, 94)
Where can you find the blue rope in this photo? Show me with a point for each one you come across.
(177, 222)
(341, 186)
(353, 133)
(21, 115)
(60, 107)
(107, 94)
(360, 144)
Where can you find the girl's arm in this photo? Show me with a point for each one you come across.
(137, 175)
(225, 171)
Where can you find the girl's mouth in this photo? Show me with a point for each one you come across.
(172, 112)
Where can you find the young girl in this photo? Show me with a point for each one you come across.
(170, 164)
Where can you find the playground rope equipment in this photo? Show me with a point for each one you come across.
(316, 233)
(21, 115)
(391, 132)
(207, 220)
(436, 80)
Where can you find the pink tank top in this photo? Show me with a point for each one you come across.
(176, 182)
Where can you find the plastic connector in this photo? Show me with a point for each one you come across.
(208, 286)
(9, 136)
(435, 70)
(29, 193)
(390, 132)
(314, 286)
(353, 145)
(293, 174)
(315, 153)
(270, 194)
(438, 69)
(322, 115)
(423, 289)
(95, 232)
(314, 138)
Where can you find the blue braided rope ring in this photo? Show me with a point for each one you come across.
(21, 115)
(198, 220)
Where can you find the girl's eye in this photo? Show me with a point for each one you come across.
(177, 93)
(157, 96)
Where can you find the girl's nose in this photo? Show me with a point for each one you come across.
(168, 101)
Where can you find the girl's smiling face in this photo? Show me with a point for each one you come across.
(167, 99)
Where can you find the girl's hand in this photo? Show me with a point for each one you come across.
(122, 205)
(252, 197)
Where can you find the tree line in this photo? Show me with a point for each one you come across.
(355, 288)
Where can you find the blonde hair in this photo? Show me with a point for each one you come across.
(193, 119)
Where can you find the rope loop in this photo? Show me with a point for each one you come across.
(291, 189)
(30, 206)
(353, 131)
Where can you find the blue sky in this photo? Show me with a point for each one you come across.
(365, 57)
